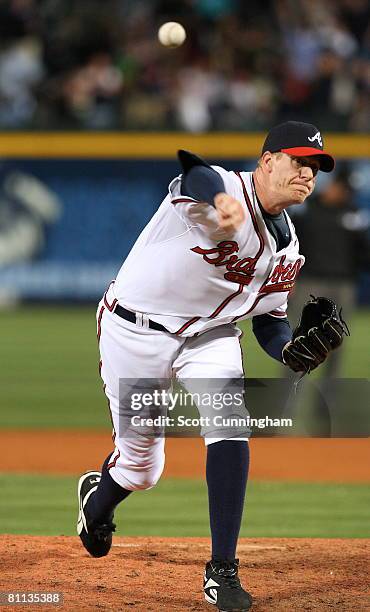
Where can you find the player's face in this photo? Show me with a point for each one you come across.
(293, 177)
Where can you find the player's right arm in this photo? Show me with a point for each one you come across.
(204, 184)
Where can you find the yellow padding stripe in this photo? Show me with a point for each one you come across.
(141, 145)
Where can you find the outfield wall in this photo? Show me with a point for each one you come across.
(72, 205)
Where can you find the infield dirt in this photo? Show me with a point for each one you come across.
(165, 574)
(301, 459)
(157, 574)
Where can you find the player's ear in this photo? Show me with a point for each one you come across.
(265, 161)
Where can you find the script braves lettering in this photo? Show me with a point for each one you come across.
(283, 276)
(240, 270)
(285, 273)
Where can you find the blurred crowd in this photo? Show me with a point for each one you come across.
(245, 64)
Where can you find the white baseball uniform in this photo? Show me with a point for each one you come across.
(184, 273)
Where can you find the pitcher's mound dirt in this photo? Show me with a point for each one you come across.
(155, 574)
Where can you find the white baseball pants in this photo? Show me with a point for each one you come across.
(131, 352)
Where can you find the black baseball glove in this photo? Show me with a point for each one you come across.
(320, 330)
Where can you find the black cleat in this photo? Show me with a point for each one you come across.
(222, 587)
(96, 537)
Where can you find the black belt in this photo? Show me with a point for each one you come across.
(128, 315)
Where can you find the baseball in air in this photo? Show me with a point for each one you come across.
(171, 34)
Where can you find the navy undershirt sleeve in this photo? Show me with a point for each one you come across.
(199, 180)
(272, 334)
(202, 183)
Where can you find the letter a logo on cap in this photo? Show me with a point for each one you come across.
(316, 137)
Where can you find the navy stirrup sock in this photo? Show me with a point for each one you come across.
(108, 495)
(227, 474)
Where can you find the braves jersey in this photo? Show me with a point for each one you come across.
(186, 274)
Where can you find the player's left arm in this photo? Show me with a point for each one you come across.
(272, 334)
(203, 183)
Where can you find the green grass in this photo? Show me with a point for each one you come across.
(49, 357)
(42, 505)
(49, 364)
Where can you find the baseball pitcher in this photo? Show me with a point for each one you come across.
(220, 249)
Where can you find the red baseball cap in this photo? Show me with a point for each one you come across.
(298, 139)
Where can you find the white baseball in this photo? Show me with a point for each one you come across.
(171, 34)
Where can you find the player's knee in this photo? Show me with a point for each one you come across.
(148, 478)
(140, 464)
(150, 481)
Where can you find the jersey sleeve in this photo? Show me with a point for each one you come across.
(280, 312)
(202, 214)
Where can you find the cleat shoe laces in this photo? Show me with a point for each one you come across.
(222, 587)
